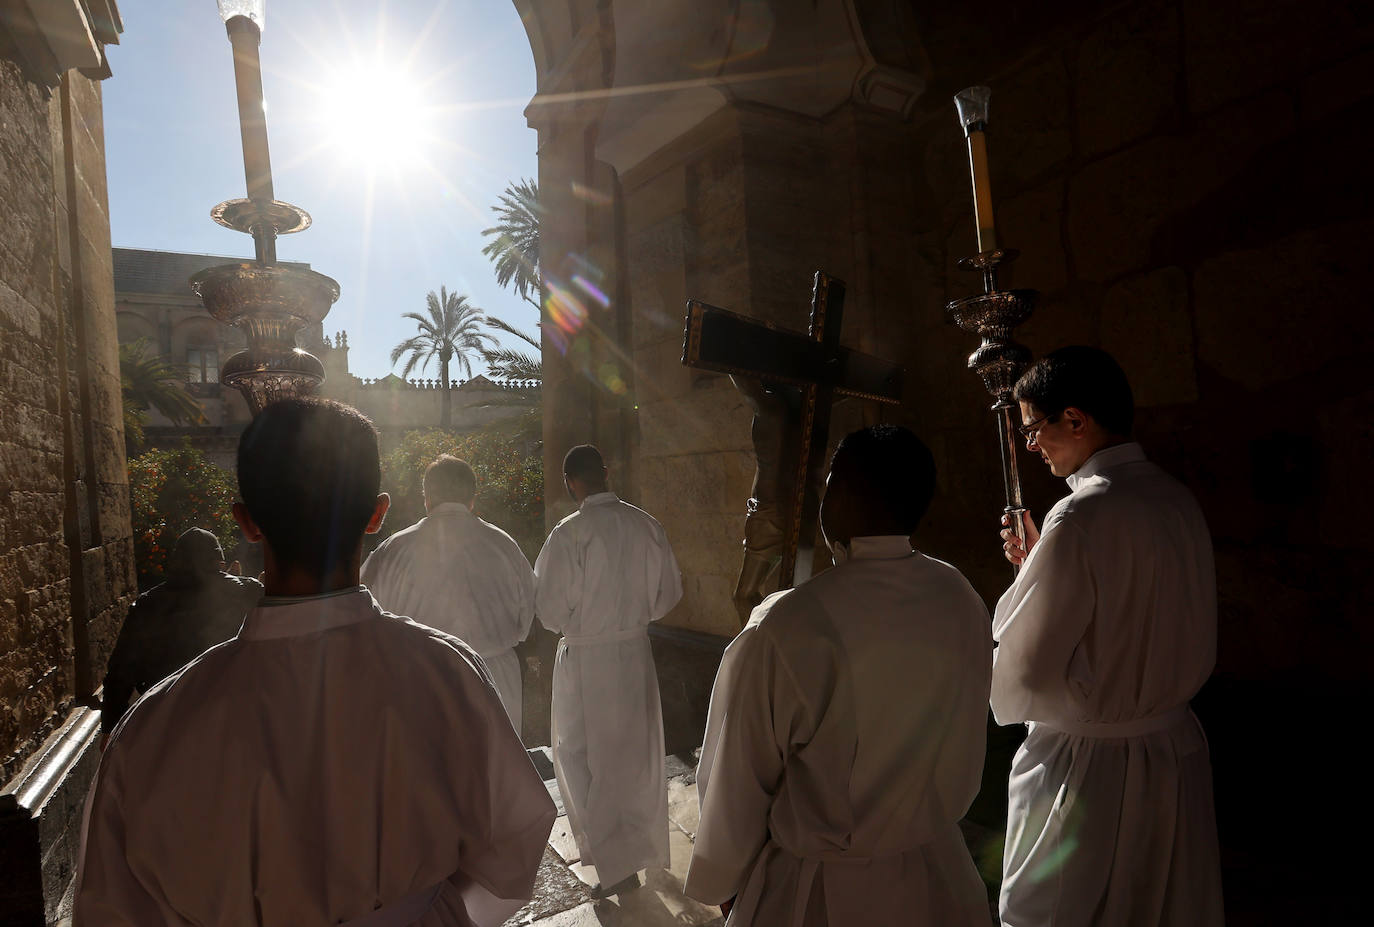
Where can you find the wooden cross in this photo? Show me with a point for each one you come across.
(724, 341)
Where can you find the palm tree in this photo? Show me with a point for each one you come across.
(148, 381)
(514, 250)
(451, 332)
(514, 247)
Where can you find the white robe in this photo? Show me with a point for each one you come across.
(330, 760)
(605, 572)
(453, 571)
(1107, 632)
(844, 741)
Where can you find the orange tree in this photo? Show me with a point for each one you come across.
(510, 480)
(170, 491)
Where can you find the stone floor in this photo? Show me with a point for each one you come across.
(561, 898)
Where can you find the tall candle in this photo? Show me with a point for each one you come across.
(972, 105)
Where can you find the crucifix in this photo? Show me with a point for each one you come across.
(791, 379)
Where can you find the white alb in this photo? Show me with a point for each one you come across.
(606, 572)
(844, 742)
(1106, 634)
(333, 764)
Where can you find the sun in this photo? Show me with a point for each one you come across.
(373, 115)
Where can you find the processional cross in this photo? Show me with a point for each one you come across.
(821, 370)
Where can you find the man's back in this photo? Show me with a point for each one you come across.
(604, 574)
(328, 760)
(453, 571)
(604, 568)
(848, 727)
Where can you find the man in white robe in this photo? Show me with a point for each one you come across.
(606, 571)
(1106, 634)
(848, 723)
(453, 571)
(333, 764)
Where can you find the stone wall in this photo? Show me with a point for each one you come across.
(66, 556)
(65, 550)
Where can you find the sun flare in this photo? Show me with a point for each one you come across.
(373, 115)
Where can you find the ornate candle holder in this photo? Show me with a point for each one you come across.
(270, 302)
(993, 315)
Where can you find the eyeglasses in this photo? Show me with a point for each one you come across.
(1031, 430)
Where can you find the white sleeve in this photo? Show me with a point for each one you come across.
(668, 585)
(558, 581)
(742, 758)
(1038, 624)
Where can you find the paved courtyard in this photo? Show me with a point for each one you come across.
(561, 898)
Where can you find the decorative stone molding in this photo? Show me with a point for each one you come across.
(40, 821)
(51, 37)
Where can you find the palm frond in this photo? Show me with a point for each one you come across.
(508, 364)
(505, 326)
(149, 381)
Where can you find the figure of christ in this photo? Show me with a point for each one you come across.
(775, 432)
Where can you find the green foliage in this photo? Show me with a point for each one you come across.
(170, 491)
(510, 480)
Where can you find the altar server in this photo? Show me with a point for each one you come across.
(847, 726)
(332, 764)
(1106, 634)
(607, 571)
(453, 571)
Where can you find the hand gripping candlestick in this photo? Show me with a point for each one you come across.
(994, 313)
(270, 302)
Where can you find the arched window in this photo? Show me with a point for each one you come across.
(202, 363)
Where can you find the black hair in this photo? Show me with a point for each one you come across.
(1084, 378)
(449, 479)
(309, 474)
(585, 463)
(889, 475)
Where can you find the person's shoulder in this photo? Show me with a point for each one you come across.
(945, 572)
(187, 683)
(496, 534)
(241, 588)
(788, 615)
(401, 538)
(637, 514)
(421, 638)
(567, 521)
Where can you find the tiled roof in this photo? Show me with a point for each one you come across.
(166, 272)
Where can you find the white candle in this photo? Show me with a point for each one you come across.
(972, 105)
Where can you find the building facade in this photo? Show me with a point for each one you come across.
(154, 303)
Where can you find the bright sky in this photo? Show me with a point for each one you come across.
(398, 172)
